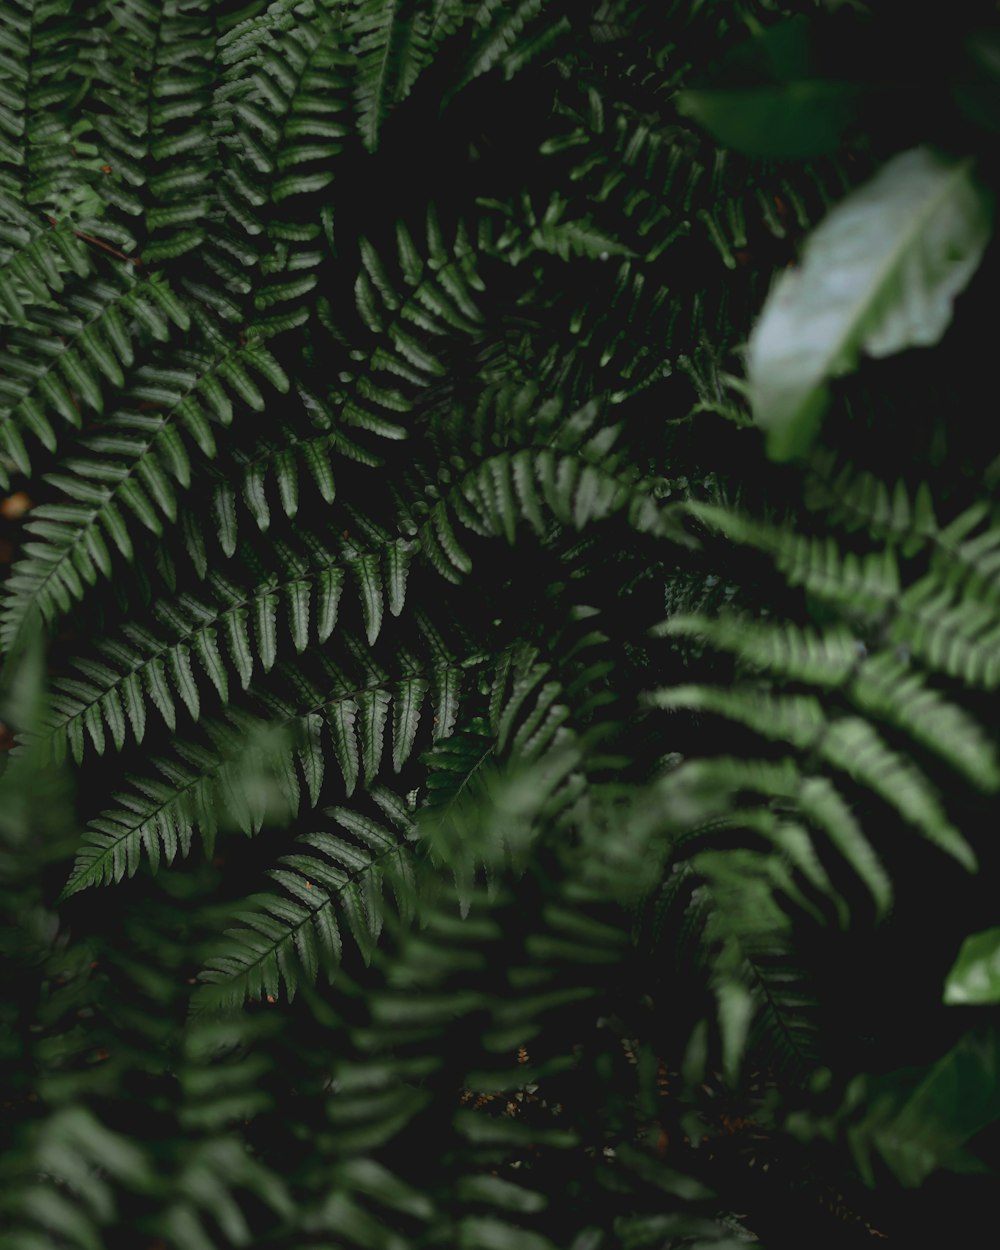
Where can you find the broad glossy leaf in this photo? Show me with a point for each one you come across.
(975, 977)
(770, 96)
(878, 275)
(787, 119)
(957, 1098)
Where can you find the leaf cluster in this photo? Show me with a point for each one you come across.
(495, 720)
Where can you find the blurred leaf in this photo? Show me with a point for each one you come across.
(878, 275)
(977, 91)
(789, 119)
(929, 1128)
(975, 977)
(770, 98)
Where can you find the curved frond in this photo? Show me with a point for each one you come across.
(60, 360)
(132, 468)
(334, 885)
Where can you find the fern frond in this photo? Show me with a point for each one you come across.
(284, 90)
(278, 107)
(727, 910)
(155, 169)
(745, 931)
(951, 628)
(492, 499)
(388, 61)
(889, 690)
(860, 499)
(157, 819)
(421, 311)
(508, 37)
(163, 811)
(59, 361)
(880, 685)
(865, 586)
(78, 1165)
(442, 289)
(280, 460)
(35, 262)
(394, 41)
(713, 793)
(566, 955)
(825, 658)
(454, 762)
(330, 883)
(45, 159)
(529, 233)
(129, 471)
(133, 671)
(848, 744)
(965, 553)
(957, 635)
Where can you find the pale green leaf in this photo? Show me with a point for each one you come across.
(975, 977)
(878, 275)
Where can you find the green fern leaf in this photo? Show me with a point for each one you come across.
(847, 743)
(374, 707)
(298, 934)
(366, 570)
(341, 716)
(406, 707)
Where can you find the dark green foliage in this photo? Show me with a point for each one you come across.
(510, 811)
